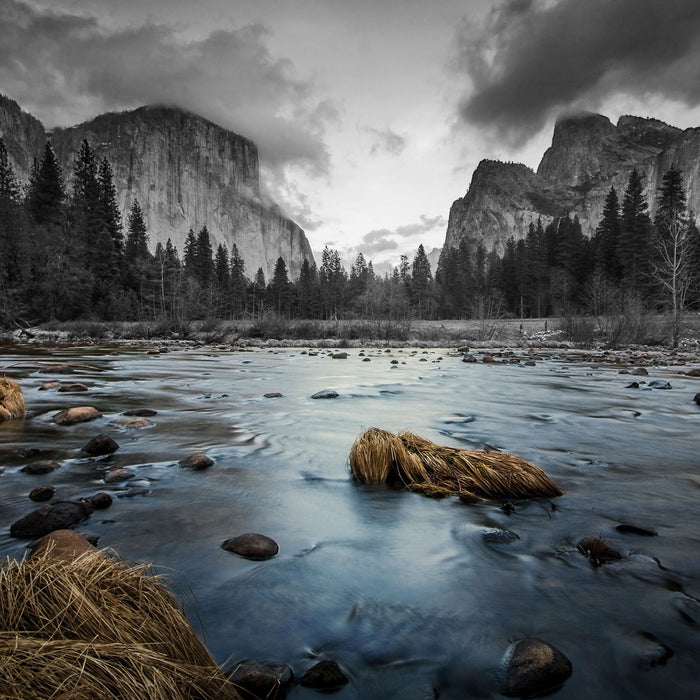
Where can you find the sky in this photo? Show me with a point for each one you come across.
(370, 115)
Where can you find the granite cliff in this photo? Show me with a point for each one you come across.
(185, 171)
(588, 155)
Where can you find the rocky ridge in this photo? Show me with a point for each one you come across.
(185, 171)
(588, 155)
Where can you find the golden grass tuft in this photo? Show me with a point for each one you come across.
(96, 628)
(11, 400)
(379, 457)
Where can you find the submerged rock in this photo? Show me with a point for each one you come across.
(659, 384)
(54, 516)
(57, 369)
(636, 530)
(273, 395)
(196, 461)
(101, 500)
(77, 414)
(696, 398)
(45, 466)
(252, 545)
(639, 372)
(116, 475)
(42, 493)
(133, 422)
(325, 675)
(101, 445)
(141, 412)
(263, 679)
(339, 356)
(74, 388)
(533, 667)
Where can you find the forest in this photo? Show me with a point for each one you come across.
(68, 255)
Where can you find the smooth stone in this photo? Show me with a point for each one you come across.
(533, 667)
(639, 372)
(27, 452)
(488, 360)
(325, 394)
(325, 675)
(695, 372)
(263, 679)
(252, 545)
(633, 385)
(134, 422)
(101, 500)
(72, 388)
(273, 395)
(696, 398)
(57, 369)
(101, 445)
(498, 536)
(42, 493)
(54, 516)
(63, 544)
(339, 356)
(597, 551)
(116, 475)
(465, 358)
(141, 412)
(636, 530)
(138, 491)
(44, 467)
(197, 461)
(366, 359)
(659, 384)
(77, 414)
(46, 386)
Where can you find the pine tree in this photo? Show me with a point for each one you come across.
(136, 247)
(46, 193)
(109, 209)
(239, 283)
(205, 258)
(278, 291)
(222, 275)
(607, 238)
(421, 284)
(308, 292)
(635, 232)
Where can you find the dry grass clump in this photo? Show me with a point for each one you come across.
(379, 457)
(11, 400)
(95, 628)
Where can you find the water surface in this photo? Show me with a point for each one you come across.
(407, 593)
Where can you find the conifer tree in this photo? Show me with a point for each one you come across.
(421, 284)
(607, 238)
(46, 193)
(239, 283)
(109, 209)
(136, 247)
(635, 232)
(279, 289)
(308, 291)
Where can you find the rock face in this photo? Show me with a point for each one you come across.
(186, 173)
(588, 155)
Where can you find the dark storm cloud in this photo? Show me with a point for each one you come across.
(532, 58)
(67, 68)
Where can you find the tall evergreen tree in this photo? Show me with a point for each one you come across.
(308, 293)
(109, 209)
(205, 258)
(421, 284)
(46, 193)
(635, 233)
(239, 283)
(136, 247)
(279, 289)
(607, 237)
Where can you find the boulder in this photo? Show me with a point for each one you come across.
(57, 369)
(262, 679)
(532, 667)
(325, 675)
(114, 476)
(72, 388)
(659, 384)
(42, 493)
(466, 358)
(696, 398)
(141, 412)
(45, 466)
(196, 461)
(49, 385)
(325, 394)
(339, 356)
(54, 516)
(101, 445)
(133, 422)
(62, 544)
(695, 372)
(252, 545)
(628, 528)
(77, 414)
(273, 395)
(639, 372)
(101, 500)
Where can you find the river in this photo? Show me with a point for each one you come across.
(409, 594)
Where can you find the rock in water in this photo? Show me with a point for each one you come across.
(43, 467)
(263, 679)
(325, 675)
(77, 414)
(197, 461)
(252, 545)
(55, 516)
(325, 394)
(533, 667)
(44, 492)
(101, 445)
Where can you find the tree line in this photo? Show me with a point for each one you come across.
(68, 255)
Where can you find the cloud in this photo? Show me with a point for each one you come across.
(67, 68)
(385, 141)
(384, 239)
(530, 59)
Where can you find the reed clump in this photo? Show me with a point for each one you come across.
(93, 627)
(381, 457)
(11, 400)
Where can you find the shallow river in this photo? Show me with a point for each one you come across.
(407, 593)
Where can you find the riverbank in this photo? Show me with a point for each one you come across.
(270, 331)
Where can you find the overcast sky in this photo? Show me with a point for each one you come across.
(370, 115)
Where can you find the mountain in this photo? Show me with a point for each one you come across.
(588, 155)
(185, 171)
